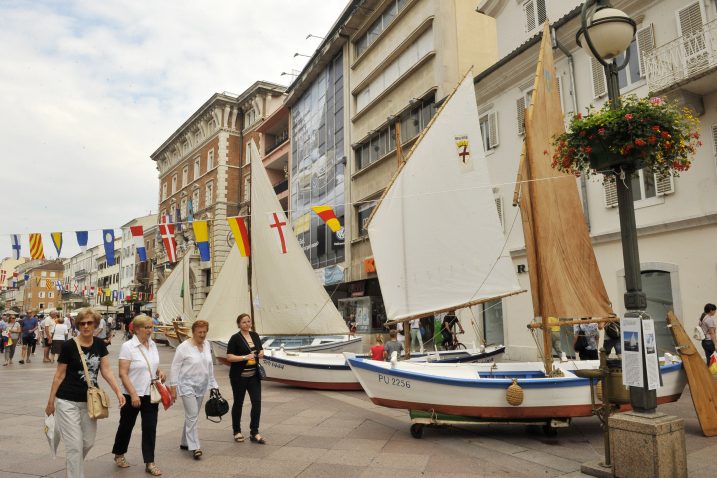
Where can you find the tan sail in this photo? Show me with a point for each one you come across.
(564, 275)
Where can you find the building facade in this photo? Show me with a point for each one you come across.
(674, 54)
(375, 82)
(38, 288)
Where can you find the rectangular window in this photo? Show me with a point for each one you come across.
(196, 169)
(631, 73)
(363, 213)
(50, 295)
(174, 184)
(195, 200)
(534, 14)
(52, 274)
(43, 274)
(41, 295)
(210, 160)
(493, 322)
(164, 191)
(185, 176)
(209, 199)
(379, 26)
(489, 130)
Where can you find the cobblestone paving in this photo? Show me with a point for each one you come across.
(314, 434)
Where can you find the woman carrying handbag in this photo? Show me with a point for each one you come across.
(68, 394)
(191, 377)
(138, 366)
(243, 353)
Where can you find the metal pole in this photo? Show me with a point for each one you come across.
(641, 398)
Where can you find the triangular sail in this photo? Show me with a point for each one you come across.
(170, 303)
(186, 288)
(564, 275)
(228, 298)
(436, 235)
(288, 298)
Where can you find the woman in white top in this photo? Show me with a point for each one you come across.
(708, 324)
(138, 366)
(191, 377)
(59, 335)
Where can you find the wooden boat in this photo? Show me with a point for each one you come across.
(172, 301)
(558, 246)
(276, 285)
(182, 330)
(330, 371)
(172, 339)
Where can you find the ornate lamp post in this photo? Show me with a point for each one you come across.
(607, 32)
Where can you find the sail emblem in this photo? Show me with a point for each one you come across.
(464, 153)
(279, 226)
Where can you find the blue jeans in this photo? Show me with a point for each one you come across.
(709, 348)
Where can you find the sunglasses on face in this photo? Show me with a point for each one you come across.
(85, 324)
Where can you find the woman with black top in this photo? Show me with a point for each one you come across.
(68, 395)
(243, 351)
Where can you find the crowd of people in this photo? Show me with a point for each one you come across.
(79, 346)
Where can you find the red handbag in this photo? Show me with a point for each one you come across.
(164, 393)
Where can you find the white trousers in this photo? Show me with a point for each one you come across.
(78, 432)
(190, 433)
(416, 340)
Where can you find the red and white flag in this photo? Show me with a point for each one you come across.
(3, 276)
(276, 223)
(170, 243)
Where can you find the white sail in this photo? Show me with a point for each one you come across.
(436, 236)
(228, 298)
(187, 306)
(288, 299)
(170, 303)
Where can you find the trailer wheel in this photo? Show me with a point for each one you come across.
(417, 430)
(550, 431)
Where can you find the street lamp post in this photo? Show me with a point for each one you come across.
(608, 32)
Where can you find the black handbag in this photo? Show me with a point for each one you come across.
(216, 406)
(260, 372)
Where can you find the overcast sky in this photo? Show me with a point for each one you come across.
(89, 89)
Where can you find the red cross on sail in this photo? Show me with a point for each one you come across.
(278, 224)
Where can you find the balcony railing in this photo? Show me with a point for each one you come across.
(278, 141)
(682, 59)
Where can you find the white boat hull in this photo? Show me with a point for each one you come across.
(330, 371)
(318, 344)
(479, 390)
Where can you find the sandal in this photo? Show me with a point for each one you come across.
(197, 454)
(238, 437)
(152, 469)
(121, 461)
(258, 439)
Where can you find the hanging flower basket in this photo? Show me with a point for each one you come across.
(639, 133)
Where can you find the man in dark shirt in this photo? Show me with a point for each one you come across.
(449, 323)
(29, 325)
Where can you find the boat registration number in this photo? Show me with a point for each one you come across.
(396, 382)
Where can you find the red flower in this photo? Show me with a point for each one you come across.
(588, 150)
(628, 116)
(583, 133)
(579, 116)
(695, 135)
(640, 142)
(665, 134)
(545, 152)
(651, 140)
(601, 131)
(655, 129)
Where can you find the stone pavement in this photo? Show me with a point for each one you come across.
(314, 434)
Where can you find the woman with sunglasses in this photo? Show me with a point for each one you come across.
(68, 394)
(138, 366)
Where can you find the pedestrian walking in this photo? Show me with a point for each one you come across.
(585, 340)
(29, 326)
(11, 336)
(47, 326)
(191, 377)
(3, 326)
(68, 394)
(708, 325)
(138, 366)
(243, 351)
(60, 333)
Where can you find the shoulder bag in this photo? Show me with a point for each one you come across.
(98, 403)
(260, 372)
(155, 396)
(698, 333)
(216, 406)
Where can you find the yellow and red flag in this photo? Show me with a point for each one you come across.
(328, 216)
(241, 234)
(36, 251)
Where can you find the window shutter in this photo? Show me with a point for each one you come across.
(559, 83)
(542, 15)
(714, 141)
(645, 44)
(598, 75)
(529, 10)
(665, 185)
(520, 107)
(690, 18)
(610, 193)
(493, 129)
(499, 207)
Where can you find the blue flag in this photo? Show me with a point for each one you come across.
(15, 240)
(108, 237)
(82, 240)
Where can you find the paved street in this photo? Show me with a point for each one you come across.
(314, 434)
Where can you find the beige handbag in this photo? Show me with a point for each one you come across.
(98, 403)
